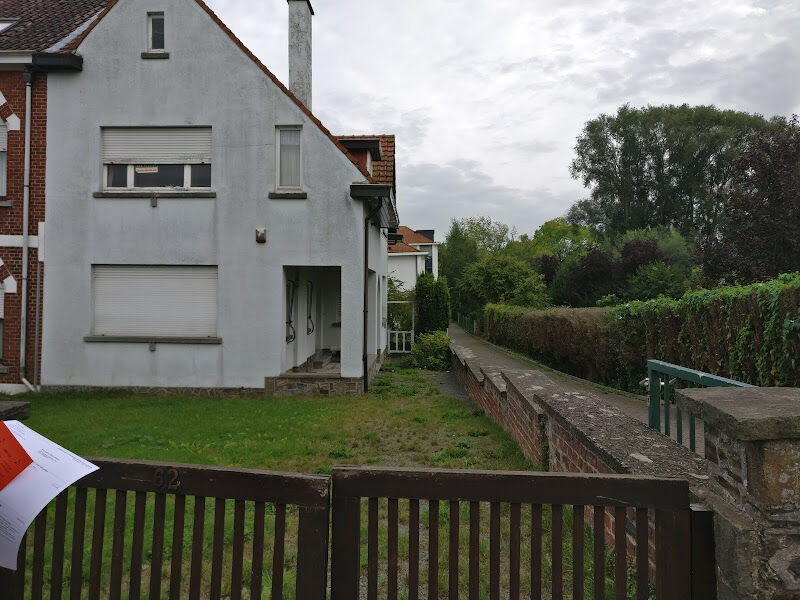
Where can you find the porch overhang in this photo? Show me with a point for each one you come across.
(387, 215)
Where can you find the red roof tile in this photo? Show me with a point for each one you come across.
(402, 247)
(383, 171)
(412, 237)
(44, 23)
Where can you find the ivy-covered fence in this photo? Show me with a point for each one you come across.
(749, 333)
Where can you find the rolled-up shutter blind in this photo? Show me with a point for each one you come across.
(156, 145)
(3, 137)
(155, 301)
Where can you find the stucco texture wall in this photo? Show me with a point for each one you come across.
(207, 81)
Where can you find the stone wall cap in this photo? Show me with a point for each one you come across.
(746, 414)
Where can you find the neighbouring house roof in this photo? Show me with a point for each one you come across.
(412, 237)
(400, 247)
(383, 171)
(42, 24)
(62, 25)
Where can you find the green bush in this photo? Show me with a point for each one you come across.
(433, 303)
(750, 333)
(432, 351)
(656, 279)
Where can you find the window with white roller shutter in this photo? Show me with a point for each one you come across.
(156, 157)
(3, 158)
(157, 301)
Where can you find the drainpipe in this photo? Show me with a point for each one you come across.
(26, 198)
(367, 220)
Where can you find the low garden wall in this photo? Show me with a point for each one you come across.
(566, 429)
(749, 333)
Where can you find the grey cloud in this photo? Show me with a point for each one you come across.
(429, 195)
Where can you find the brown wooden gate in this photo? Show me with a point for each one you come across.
(646, 520)
(280, 523)
(137, 529)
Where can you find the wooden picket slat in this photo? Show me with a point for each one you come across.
(577, 552)
(433, 549)
(59, 535)
(452, 579)
(474, 550)
(536, 551)
(259, 520)
(372, 549)
(78, 540)
(278, 551)
(514, 546)
(494, 551)
(413, 549)
(157, 549)
(137, 546)
(599, 563)
(557, 552)
(391, 542)
(118, 544)
(176, 564)
(238, 550)
(620, 553)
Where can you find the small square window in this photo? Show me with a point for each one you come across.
(156, 28)
(201, 176)
(117, 176)
(155, 176)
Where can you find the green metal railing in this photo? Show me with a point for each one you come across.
(662, 377)
(466, 323)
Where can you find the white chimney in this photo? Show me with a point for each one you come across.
(300, 13)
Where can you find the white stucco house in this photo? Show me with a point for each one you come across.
(203, 228)
(412, 253)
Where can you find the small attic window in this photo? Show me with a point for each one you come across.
(155, 27)
(6, 23)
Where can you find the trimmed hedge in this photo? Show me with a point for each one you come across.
(750, 333)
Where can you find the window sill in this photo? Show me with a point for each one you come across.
(143, 339)
(4, 370)
(155, 194)
(155, 55)
(6, 204)
(288, 196)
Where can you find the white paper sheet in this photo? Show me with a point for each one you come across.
(53, 470)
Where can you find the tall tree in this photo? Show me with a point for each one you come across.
(658, 166)
(759, 231)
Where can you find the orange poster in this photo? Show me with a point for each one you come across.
(13, 458)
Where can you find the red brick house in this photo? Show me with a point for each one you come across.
(33, 36)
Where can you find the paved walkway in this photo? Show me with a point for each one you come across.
(493, 357)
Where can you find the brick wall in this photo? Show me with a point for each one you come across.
(539, 417)
(11, 217)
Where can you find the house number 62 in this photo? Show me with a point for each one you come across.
(167, 479)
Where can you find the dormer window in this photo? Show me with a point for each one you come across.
(156, 27)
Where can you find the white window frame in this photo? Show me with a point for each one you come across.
(150, 17)
(187, 180)
(131, 167)
(278, 186)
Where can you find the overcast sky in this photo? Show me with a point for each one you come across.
(486, 97)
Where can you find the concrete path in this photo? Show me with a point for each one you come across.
(493, 357)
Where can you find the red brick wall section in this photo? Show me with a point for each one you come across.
(11, 217)
(546, 442)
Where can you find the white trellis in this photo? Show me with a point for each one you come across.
(401, 342)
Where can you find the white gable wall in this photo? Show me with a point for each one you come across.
(207, 81)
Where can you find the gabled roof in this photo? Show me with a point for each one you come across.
(412, 237)
(44, 23)
(383, 171)
(403, 247)
(62, 25)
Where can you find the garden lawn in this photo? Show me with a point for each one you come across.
(404, 421)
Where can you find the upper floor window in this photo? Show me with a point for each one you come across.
(155, 31)
(156, 157)
(289, 158)
(3, 158)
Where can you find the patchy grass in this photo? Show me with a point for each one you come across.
(404, 421)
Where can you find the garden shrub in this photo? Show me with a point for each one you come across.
(433, 303)
(432, 351)
(750, 333)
